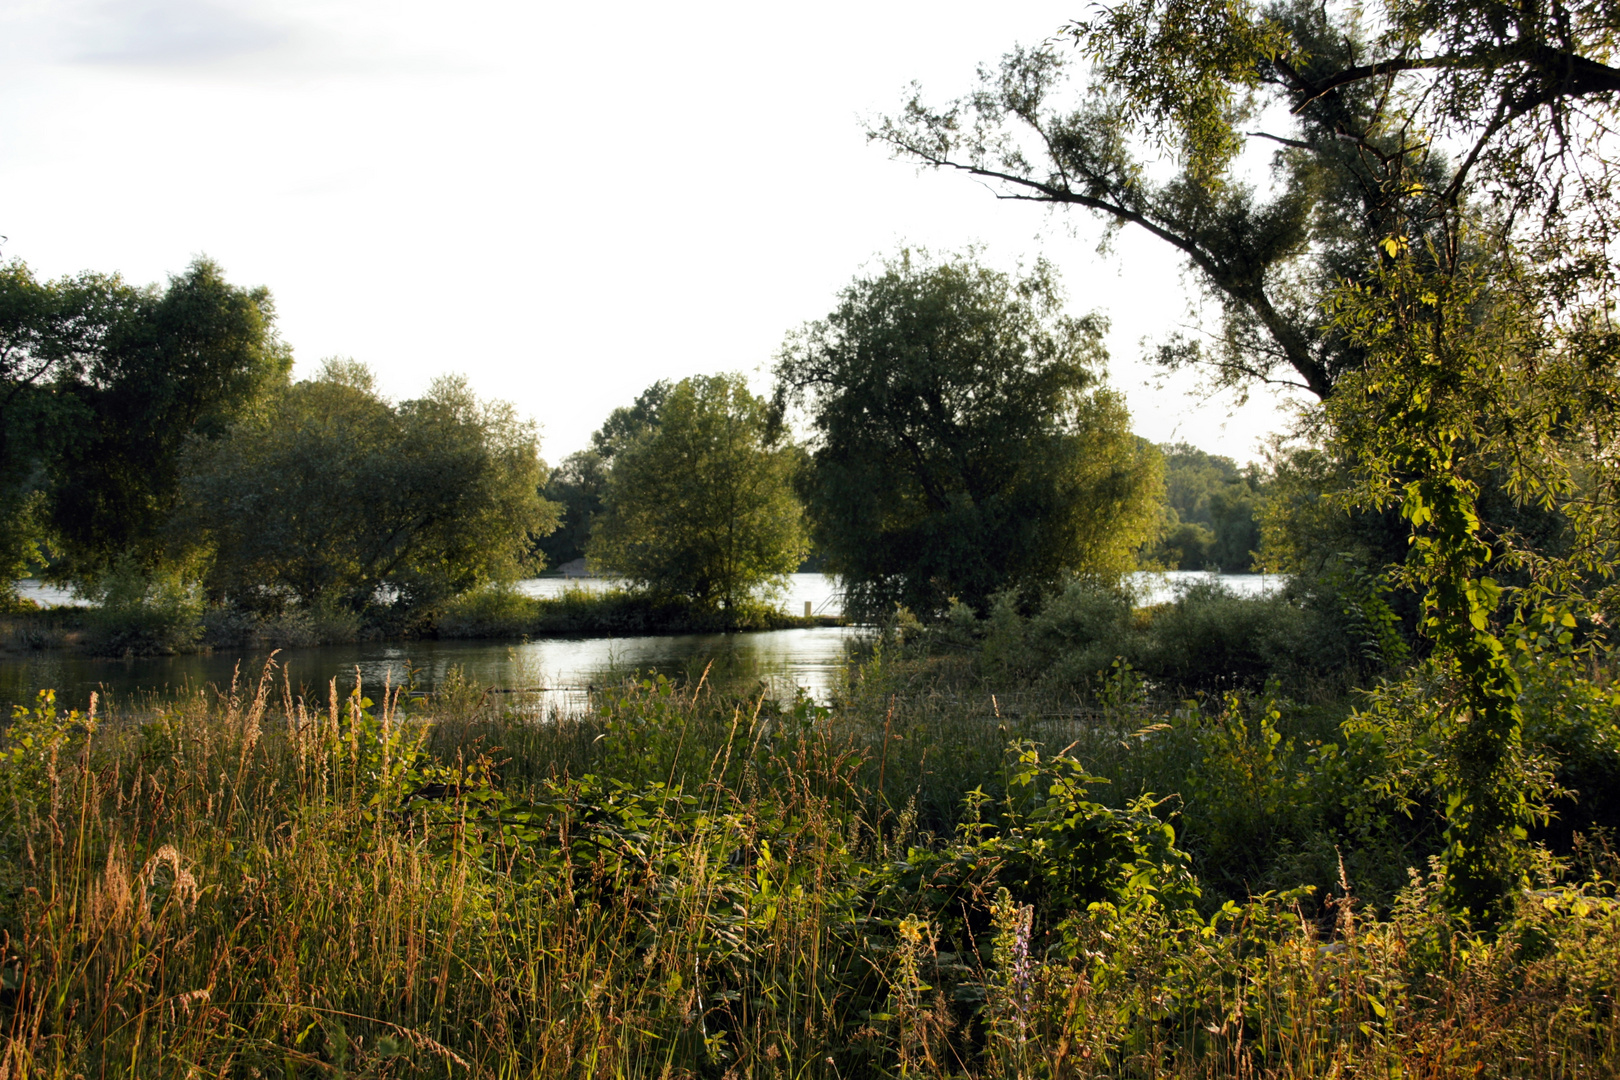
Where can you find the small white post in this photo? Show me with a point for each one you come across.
(807, 609)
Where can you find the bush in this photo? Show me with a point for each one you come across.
(496, 610)
(1082, 631)
(1207, 639)
(1211, 639)
(147, 611)
(292, 628)
(501, 611)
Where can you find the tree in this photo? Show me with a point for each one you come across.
(1513, 91)
(1211, 511)
(49, 334)
(152, 371)
(576, 486)
(579, 484)
(700, 503)
(334, 496)
(1434, 264)
(964, 443)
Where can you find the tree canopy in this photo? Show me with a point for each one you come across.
(334, 496)
(124, 378)
(579, 484)
(101, 385)
(1210, 511)
(1383, 124)
(1431, 259)
(963, 441)
(699, 499)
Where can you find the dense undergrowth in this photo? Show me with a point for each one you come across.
(1321, 635)
(931, 876)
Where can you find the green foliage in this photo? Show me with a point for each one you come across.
(963, 444)
(1212, 512)
(579, 484)
(1364, 602)
(628, 423)
(34, 743)
(1184, 546)
(576, 487)
(1337, 93)
(147, 611)
(1071, 852)
(1245, 792)
(1420, 434)
(499, 611)
(48, 331)
(453, 890)
(1209, 638)
(334, 496)
(1571, 730)
(101, 385)
(1305, 530)
(160, 370)
(22, 536)
(1206, 639)
(1458, 351)
(701, 504)
(1237, 535)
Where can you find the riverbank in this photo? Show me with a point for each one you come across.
(48, 617)
(492, 616)
(612, 612)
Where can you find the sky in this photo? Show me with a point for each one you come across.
(563, 203)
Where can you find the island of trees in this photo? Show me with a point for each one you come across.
(1363, 825)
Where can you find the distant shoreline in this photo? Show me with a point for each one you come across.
(81, 629)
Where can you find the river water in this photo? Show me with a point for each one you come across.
(558, 671)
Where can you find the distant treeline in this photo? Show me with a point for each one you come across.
(1211, 512)
(945, 436)
(156, 455)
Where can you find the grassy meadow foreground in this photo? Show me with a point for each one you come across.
(935, 875)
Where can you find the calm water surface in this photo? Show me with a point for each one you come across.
(560, 670)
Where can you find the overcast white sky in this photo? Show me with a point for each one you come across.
(563, 202)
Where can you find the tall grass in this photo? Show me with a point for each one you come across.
(696, 881)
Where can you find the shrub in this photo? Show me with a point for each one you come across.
(291, 628)
(494, 610)
(1210, 639)
(147, 611)
(1207, 639)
